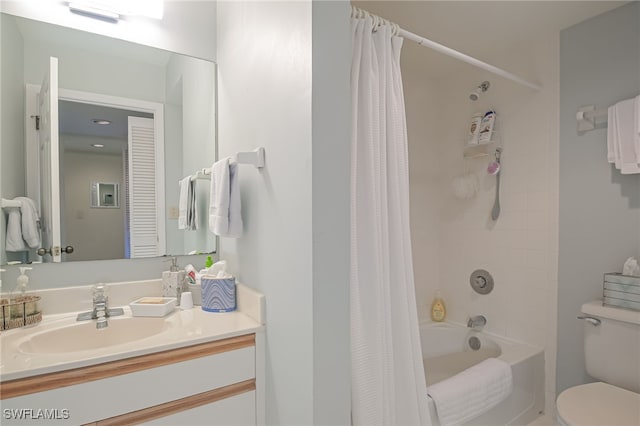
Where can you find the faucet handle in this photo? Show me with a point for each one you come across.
(476, 322)
(99, 290)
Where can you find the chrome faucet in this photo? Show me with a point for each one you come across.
(477, 322)
(101, 310)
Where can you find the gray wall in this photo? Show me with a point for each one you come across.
(599, 207)
(12, 105)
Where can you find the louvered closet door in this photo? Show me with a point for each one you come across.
(143, 203)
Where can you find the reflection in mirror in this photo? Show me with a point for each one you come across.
(105, 195)
(102, 213)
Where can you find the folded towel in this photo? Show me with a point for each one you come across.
(30, 222)
(14, 241)
(472, 392)
(187, 207)
(625, 127)
(612, 139)
(622, 136)
(224, 200)
(183, 202)
(235, 208)
(23, 226)
(636, 132)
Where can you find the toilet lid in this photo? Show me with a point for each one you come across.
(599, 404)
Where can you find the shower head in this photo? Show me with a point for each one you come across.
(474, 95)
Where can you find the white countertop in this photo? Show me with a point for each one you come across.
(181, 328)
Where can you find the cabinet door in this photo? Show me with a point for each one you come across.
(237, 410)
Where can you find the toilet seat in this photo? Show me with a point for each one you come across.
(598, 404)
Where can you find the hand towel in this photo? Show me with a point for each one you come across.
(224, 200)
(23, 226)
(472, 392)
(626, 136)
(636, 132)
(235, 217)
(183, 202)
(219, 197)
(187, 206)
(612, 138)
(192, 207)
(30, 222)
(14, 241)
(623, 135)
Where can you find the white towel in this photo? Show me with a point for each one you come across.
(612, 140)
(235, 207)
(23, 226)
(224, 200)
(472, 392)
(183, 202)
(625, 129)
(636, 133)
(187, 207)
(623, 138)
(14, 241)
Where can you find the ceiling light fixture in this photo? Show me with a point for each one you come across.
(94, 12)
(100, 121)
(113, 10)
(97, 145)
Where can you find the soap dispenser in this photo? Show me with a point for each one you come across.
(23, 280)
(172, 280)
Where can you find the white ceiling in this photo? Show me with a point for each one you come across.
(76, 119)
(482, 29)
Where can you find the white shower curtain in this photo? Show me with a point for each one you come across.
(388, 384)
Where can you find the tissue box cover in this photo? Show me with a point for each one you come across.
(218, 294)
(153, 306)
(622, 291)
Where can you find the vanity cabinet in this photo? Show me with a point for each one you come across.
(211, 383)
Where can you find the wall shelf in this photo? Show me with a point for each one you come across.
(481, 150)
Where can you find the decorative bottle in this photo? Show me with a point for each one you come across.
(438, 309)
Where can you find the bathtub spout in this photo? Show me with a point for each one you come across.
(477, 322)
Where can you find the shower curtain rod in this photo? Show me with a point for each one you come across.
(357, 12)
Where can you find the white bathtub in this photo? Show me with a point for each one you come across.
(446, 351)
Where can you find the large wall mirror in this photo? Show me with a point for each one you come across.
(131, 118)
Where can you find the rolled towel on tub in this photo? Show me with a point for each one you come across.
(472, 392)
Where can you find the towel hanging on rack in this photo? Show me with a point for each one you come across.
(225, 217)
(23, 226)
(623, 138)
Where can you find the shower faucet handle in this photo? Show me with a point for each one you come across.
(477, 322)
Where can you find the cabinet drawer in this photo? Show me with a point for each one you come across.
(237, 410)
(161, 378)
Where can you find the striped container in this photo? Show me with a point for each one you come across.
(218, 294)
(622, 291)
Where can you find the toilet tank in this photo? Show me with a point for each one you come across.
(612, 348)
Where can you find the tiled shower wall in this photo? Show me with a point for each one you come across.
(453, 237)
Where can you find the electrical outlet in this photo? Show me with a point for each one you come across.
(173, 212)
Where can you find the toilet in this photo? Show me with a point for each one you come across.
(612, 355)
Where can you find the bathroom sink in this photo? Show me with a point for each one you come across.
(83, 336)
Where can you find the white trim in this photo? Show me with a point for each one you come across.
(32, 156)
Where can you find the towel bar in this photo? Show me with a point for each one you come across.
(9, 204)
(255, 157)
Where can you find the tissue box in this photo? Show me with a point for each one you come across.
(153, 306)
(218, 294)
(622, 291)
